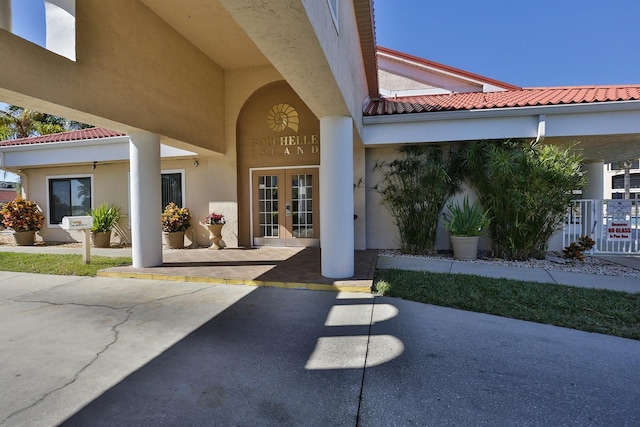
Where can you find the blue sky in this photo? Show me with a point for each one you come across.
(28, 20)
(526, 43)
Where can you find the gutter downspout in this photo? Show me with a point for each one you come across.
(542, 128)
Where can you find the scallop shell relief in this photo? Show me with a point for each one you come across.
(282, 116)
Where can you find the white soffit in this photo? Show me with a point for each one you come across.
(73, 152)
(522, 122)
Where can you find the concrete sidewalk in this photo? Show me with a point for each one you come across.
(626, 284)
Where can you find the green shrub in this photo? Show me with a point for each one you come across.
(415, 188)
(527, 188)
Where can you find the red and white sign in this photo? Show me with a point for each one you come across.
(619, 231)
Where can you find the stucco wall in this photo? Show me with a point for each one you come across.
(132, 71)
(110, 184)
(360, 194)
(206, 189)
(381, 231)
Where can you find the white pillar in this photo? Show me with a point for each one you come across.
(594, 188)
(336, 197)
(146, 199)
(61, 27)
(5, 15)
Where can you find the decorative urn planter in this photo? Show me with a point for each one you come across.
(24, 238)
(173, 239)
(465, 247)
(215, 235)
(101, 239)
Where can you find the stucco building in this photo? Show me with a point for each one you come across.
(271, 113)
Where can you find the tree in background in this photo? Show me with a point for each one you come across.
(17, 122)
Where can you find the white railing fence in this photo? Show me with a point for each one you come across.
(613, 224)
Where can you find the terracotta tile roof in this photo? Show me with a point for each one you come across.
(527, 97)
(74, 135)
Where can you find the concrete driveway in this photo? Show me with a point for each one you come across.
(153, 353)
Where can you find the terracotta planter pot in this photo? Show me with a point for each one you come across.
(101, 239)
(173, 240)
(464, 247)
(24, 238)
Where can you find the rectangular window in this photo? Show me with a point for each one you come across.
(618, 166)
(69, 196)
(172, 188)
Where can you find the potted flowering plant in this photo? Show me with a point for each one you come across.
(175, 221)
(214, 218)
(24, 218)
(214, 222)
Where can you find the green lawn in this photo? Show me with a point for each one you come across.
(70, 265)
(593, 310)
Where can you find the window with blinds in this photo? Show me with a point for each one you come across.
(172, 189)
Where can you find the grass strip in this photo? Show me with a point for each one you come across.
(67, 265)
(586, 309)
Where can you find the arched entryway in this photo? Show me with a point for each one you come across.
(278, 151)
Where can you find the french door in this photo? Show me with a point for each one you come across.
(285, 206)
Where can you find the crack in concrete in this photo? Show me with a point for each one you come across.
(74, 303)
(366, 356)
(551, 276)
(129, 311)
(43, 290)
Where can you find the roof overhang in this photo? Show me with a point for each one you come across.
(101, 150)
(606, 131)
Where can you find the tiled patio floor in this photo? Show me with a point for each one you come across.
(265, 266)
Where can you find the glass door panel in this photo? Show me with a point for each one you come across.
(285, 207)
(268, 225)
(302, 202)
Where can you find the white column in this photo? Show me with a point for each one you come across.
(5, 15)
(336, 197)
(595, 180)
(146, 199)
(61, 27)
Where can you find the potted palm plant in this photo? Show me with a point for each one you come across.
(24, 218)
(104, 218)
(175, 221)
(465, 223)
